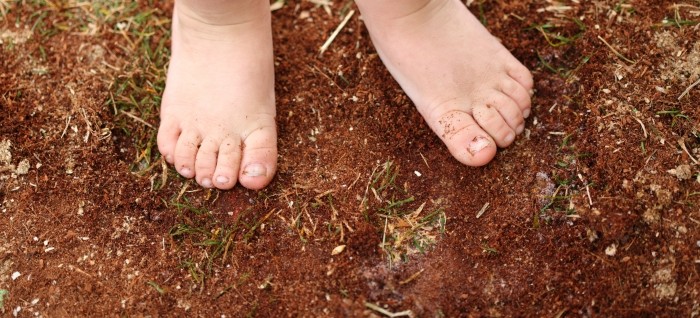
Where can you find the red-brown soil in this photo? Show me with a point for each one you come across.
(593, 212)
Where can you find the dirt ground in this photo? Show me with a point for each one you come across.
(594, 212)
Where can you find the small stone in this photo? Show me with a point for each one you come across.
(664, 283)
(16, 275)
(611, 250)
(22, 167)
(592, 235)
(682, 172)
(682, 229)
(5, 154)
(651, 215)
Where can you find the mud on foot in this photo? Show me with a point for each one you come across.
(470, 90)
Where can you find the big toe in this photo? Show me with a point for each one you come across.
(464, 138)
(259, 159)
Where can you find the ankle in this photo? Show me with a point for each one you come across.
(376, 10)
(221, 12)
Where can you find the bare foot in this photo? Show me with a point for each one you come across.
(471, 91)
(218, 109)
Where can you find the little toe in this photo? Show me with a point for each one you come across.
(259, 161)
(491, 121)
(186, 152)
(464, 138)
(205, 162)
(168, 134)
(228, 164)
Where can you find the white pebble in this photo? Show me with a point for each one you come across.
(611, 250)
(418, 174)
(15, 275)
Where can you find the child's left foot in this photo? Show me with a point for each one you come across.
(471, 91)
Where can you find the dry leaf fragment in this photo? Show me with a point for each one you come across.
(338, 249)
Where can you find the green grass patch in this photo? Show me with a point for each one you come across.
(408, 227)
(675, 115)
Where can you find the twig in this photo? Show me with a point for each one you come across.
(424, 160)
(67, 124)
(316, 69)
(412, 277)
(164, 176)
(681, 143)
(79, 271)
(87, 123)
(335, 33)
(406, 313)
(687, 90)
(483, 209)
(369, 182)
(356, 179)
(182, 190)
(615, 51)
(134, 117)
(588, 191)
(643, 128)
(694, 220)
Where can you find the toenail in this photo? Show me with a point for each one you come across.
(509, 138)
(168, 158)
(222, 180)
(478, 144)
(526, 113)
(520, 129)
(254, 170)
(206, 182)
(532, 92)
(185, 172)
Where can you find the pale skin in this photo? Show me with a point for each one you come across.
(218, 109)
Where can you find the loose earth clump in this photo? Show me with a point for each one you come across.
(593, 212)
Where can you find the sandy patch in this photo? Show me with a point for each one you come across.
(15, 37)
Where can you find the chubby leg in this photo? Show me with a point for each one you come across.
(470, 90)
(218, 109)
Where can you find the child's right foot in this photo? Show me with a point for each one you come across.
(218, 109)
